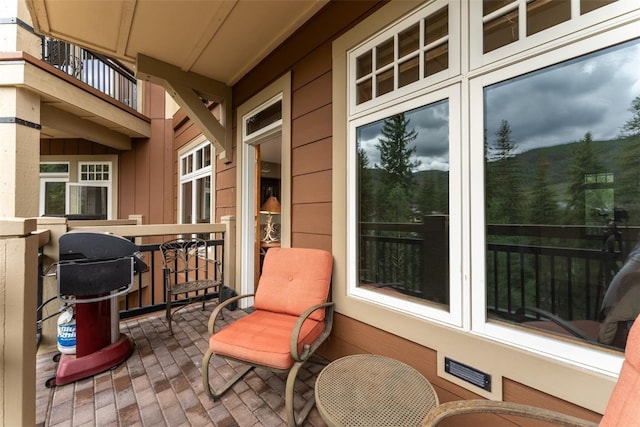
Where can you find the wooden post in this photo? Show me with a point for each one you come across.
(18, 290)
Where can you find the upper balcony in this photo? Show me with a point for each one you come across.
(107, 75)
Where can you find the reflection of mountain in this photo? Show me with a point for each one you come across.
(560, 157)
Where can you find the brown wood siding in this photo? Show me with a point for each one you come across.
(350, 336)
(144, 187)
(73, 146)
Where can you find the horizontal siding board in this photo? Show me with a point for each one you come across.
(312, 218)
(312, 157)
(312, 96)
(520, 393)
(315, 241)
(311, 127)
(316, 64)
(312, 188)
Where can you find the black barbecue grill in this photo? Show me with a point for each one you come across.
(94, 270)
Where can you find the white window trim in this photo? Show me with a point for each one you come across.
(266, 131)
(405, 22)
(453, 316)
(577, 27)
(102, 184)
(50, 177)
(193, 176)
(595, 359)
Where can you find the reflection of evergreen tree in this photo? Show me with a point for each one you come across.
(583, 163)
(631, 127)
(395, 161)
(433, 197)
(502, 184)
(543, 208)
(627, 177)
(365, 187)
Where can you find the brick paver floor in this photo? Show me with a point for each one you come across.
(160, 384)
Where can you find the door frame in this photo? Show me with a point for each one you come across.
(245, 175)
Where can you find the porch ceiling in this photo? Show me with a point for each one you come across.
(221, 40)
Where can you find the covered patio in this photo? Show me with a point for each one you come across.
(160, 384)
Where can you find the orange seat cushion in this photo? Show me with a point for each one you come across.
(623, 407)
(263, 337)
(294, 279)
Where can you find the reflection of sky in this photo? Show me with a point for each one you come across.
(558, 105)
(431, 124)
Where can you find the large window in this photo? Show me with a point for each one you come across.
(562, 196)
(53, 184)
(404, 153)
(76, 189)
(499, 193)
(195, 185)
(403, 204)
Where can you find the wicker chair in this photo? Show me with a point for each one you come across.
(186, 272)
(292, 317)
(623, 408)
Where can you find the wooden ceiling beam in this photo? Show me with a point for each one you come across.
(189, 90)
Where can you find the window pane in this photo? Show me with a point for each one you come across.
(187, 199)
(54, 198)
(364, 91)
(501, 31)
(203, 201)
(408, 40)
(384, 54)
(489, 6)
(384, 82)
(206, 155)
(403, 204)
(54, 168)
(265, 117)
(542, 14)
(562, 194)
(408, 72)
(88, 200)
(363, 65)
(587, 6)
(436, 60)
(436, 26)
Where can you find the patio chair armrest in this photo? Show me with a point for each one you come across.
(480, 406)
(308, 350)
(216, 312)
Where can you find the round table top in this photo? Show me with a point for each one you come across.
(372, 391)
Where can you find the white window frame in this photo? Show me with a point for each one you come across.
(452, 316)
(595, 359)
(92, 183)
(576, 27)
(266, 131)
(193, 177)
(51, 177)
(405, 22)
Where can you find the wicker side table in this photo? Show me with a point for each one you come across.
(370, 390)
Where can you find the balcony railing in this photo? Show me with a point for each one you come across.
(107, 75)
(148, 293)
(564, 270)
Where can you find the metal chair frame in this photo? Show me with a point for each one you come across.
(186, 272)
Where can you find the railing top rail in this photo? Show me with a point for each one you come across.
(154, 229)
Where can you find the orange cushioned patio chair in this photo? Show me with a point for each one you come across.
(292, 317)
(623, 408)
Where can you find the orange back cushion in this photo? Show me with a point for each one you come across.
(294, 279)
(624, 404)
